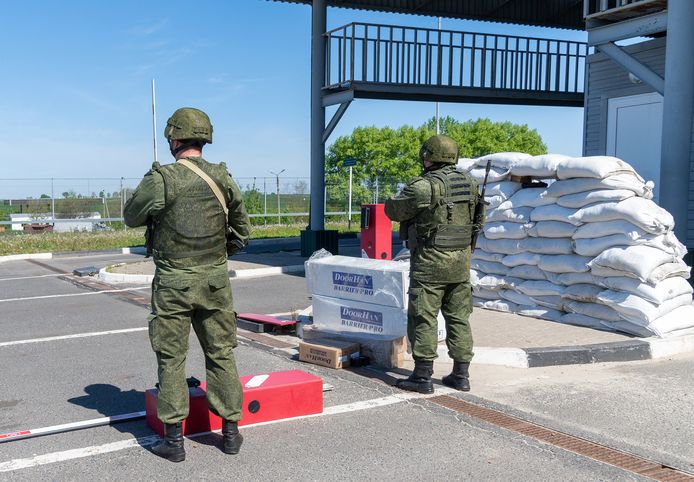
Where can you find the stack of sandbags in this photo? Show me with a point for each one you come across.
(587, 247)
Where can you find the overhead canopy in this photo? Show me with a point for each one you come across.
(542, 13)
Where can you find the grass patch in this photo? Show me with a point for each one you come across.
(22, 243)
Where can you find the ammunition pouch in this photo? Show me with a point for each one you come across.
(452, 236)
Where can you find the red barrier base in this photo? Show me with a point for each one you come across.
(286, 394)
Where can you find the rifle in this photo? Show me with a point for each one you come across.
(480, 207)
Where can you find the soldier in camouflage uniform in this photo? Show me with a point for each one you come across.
(435, 212)
(195, 217)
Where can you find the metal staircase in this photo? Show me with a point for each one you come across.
(406, 63)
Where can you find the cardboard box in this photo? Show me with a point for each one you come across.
(350, 316)
(375, 321)
(387, 353)
(381, 282)
(328, 353)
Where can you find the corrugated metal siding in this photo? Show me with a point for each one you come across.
(546, 13)
(607, 80)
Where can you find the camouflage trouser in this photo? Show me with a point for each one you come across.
(455, 302)
(207, 304)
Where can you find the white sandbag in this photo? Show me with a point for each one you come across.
(608, 228)
(539, 312)
(552, 229)
(474, 276)
(485, 293)
(661, 292)
(680, 318)
(506, 230)
(569, 279)
(504, 189)
(583, 320)
(503, 246)
(583, 292)
(630, 182)
(598, 167)
(464, 164)
(644, 213)
(495, 174)
(527, 272)
(528, 197)
(554, 302)
(669, 270)
(513, 260)
(496, 282)
(516, 297)
(542, 166)
(547, 245)
(540, 288)
(486, 256)
(582, 199)
(516, 215)
(594, 310)
(488, 267)
(627, 327)
(637, 310)
(502, 159)
(632, 261)
(498, 305)
(553, 212)
(564, 263)
(493, 202)
(665, 242)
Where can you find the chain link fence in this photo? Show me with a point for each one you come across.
(84, 204)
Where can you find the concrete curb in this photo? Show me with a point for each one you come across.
(115, 278)
(19, 257)
(620, 351)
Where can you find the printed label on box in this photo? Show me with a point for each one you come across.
(362, 319)
(353, 283)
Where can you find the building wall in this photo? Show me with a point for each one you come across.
(605, 80)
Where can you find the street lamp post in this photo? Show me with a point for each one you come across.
(277, 177)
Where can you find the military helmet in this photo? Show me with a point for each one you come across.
(188, 123)
(439, 149)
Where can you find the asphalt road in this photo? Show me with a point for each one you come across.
(368, 431)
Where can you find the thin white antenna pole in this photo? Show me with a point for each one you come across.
(438, 124)
(154, 120)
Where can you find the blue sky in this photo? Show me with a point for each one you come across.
(76, 85)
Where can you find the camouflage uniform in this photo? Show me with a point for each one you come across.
(436, 211)
(189, 237)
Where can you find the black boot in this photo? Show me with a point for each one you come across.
(459, 377)
(420, 379)
(232, 438)
(171, 448)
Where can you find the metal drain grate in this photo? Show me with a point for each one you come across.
(571, 443)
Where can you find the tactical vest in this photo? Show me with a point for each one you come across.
(192, 222)
(447, 223)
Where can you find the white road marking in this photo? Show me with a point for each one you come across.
(42, 297)
(51, 458)
(68, 337)
(32, 277)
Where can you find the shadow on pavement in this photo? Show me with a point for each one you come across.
(109, 400)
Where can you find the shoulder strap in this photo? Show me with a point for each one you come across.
(213, 185)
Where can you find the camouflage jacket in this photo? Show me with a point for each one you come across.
(189, 226)
(419, 214)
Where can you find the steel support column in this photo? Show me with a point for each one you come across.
(677, 115)
(630, 64)
(318, 28)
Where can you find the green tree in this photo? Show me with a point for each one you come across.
(482, 136)
(388, 157)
